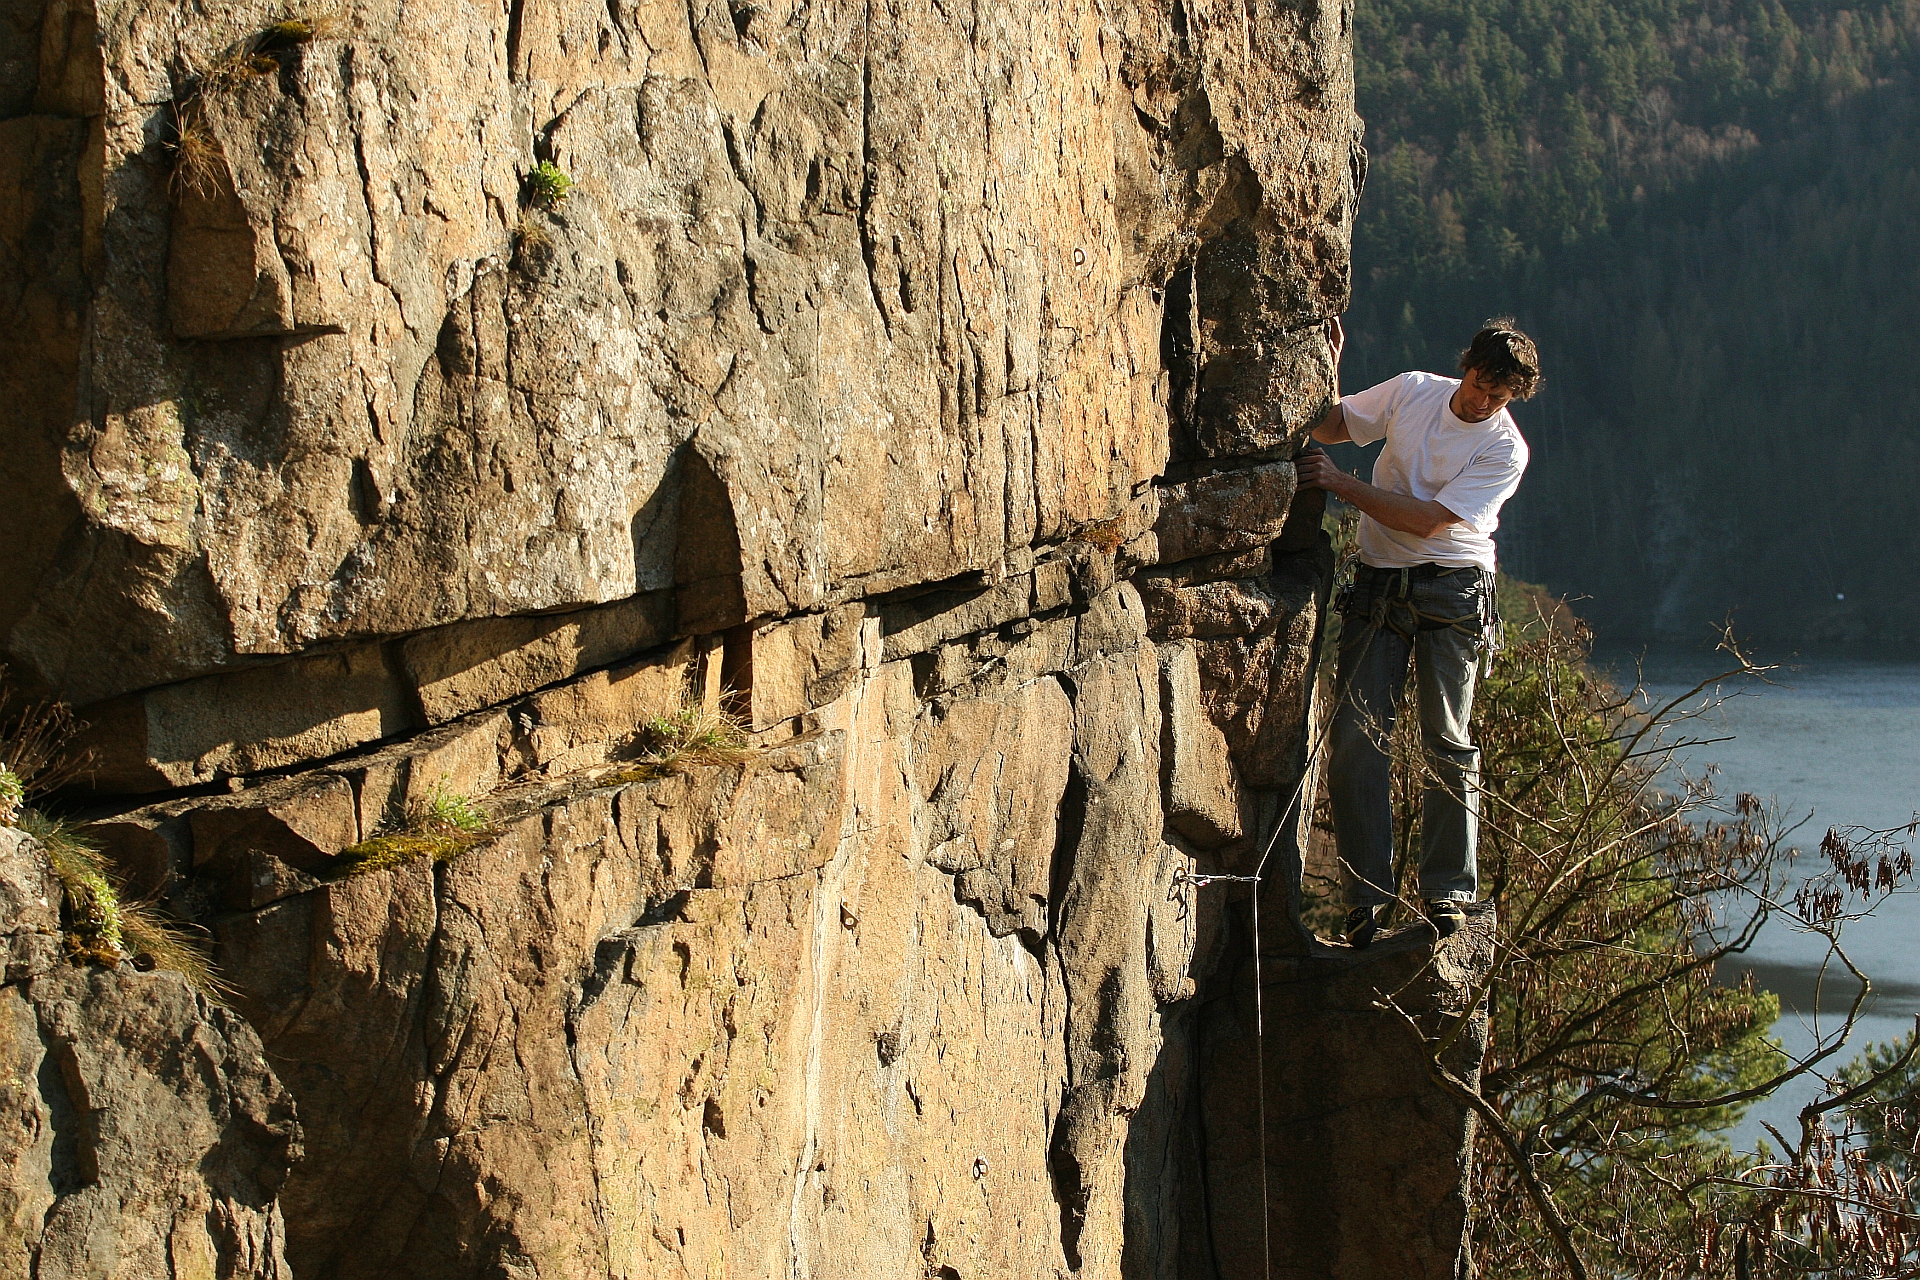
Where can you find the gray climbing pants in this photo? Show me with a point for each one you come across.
(1438, 620)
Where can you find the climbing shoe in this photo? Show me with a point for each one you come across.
(1361, 926)
(1446, 916)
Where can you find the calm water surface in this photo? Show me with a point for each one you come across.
(1835, 741)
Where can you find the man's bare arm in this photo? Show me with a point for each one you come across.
(1316, 469)
(1332, 427)
(1419, 516)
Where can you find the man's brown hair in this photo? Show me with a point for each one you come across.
(1505, 357)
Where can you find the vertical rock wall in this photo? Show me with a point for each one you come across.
(142, 1132)
(918, 382)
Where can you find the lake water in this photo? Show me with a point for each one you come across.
(1837, 741)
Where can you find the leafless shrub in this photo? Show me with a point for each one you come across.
(1615, 1056)
(37, 756)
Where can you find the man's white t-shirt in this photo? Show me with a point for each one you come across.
(1470, 468)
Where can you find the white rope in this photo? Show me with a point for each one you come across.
(1183, 878)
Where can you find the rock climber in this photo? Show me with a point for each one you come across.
(1422, 592)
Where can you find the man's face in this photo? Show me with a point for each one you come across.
(1477, 399)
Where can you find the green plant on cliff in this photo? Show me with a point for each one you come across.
(694, 733)
(455, 813)
(447, 823)
(37, 758)
(548, 185)
(1618, 1050)
(103, 924)
(93, 900)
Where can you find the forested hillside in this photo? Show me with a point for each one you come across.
(1709, 215)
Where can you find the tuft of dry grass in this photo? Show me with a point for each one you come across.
(235, 67)
(531, 237)
(197, 160)
(1105, 535)
(156, 941)
(694, 734)
(104, 925)
(688, 736)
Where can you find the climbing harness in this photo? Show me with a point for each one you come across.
(1395, 610)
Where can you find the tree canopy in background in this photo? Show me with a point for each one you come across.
(1708, 214)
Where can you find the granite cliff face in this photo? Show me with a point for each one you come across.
(919, 384)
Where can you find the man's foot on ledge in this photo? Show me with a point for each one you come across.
(1361, 925)
(1446, 916)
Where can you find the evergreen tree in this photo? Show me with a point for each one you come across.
(1705, 211)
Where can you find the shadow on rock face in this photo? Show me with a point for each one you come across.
(1365, 1157)
(144, 1129)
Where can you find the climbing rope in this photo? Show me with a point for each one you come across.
(1182, 879)
(1386, 612)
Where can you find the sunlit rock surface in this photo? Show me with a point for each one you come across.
(917, 383)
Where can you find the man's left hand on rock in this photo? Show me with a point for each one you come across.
(1317, 471)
